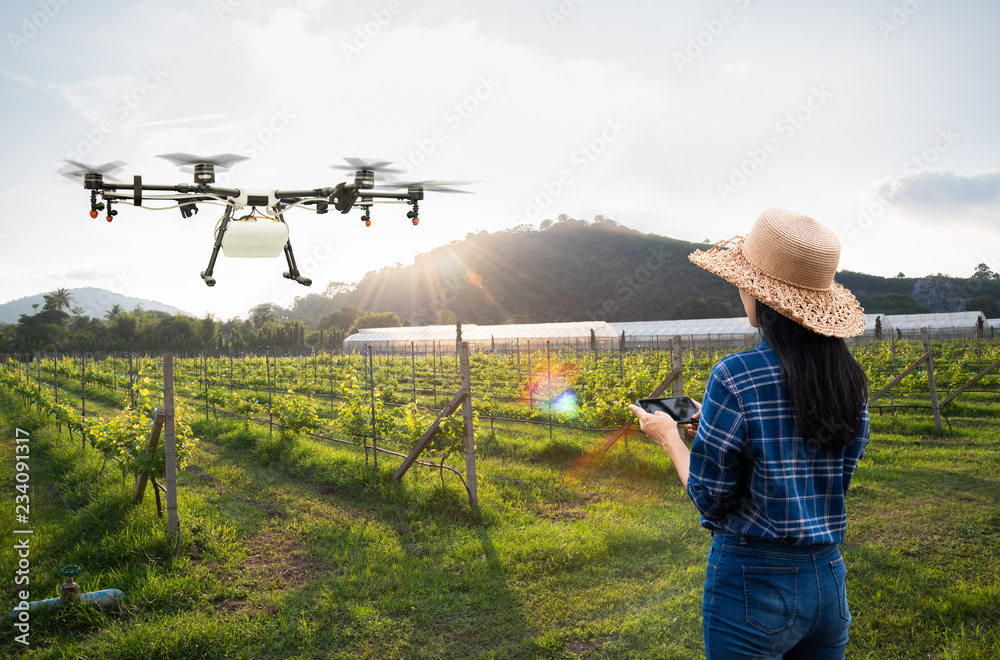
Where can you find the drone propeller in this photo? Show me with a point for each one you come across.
(360, 164)
(431, 185)
(77, 169)
(203, 166)
(222, 161)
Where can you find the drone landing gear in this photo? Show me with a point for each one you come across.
(223, 224)
(293, 270)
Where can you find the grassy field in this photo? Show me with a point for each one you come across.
(303, 550)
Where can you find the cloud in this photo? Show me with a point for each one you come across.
(942, 190)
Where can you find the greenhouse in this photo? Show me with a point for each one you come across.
(442, 338)
(731, 333)
(943, 325)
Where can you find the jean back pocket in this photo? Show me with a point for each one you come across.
(770, 595)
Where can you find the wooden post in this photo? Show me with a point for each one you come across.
(170, 443)
(55, 375)
(470, 446)
(154, 440)
(548, 367)
(951, 397)
(677, 357)
(270, 401)
(83, 397)
(531, 388)
(930, 380)
(413, 372)
(371, 382)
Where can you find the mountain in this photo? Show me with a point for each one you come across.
(95, 303)
(574, 270)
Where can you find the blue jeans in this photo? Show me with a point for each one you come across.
(770, 600)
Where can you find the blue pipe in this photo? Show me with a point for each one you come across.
(103, 598)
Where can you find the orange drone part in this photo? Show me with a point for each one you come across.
(110, 218)
(93, 214)
(416, 221)
(368, 223)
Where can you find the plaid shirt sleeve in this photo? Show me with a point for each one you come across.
(714, 479)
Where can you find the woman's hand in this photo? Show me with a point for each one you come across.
(658, 427)
(662, 429)
(692, 428)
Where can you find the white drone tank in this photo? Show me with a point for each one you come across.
(256, 237)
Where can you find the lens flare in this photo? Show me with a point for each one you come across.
(565, 403)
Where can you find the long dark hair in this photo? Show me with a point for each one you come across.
(825, 385)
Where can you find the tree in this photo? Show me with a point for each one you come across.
(207, 327)
(984, 272)
(376, 320)
(261, 314)
(124, 326)
(58, 299)
(878, 327)
(447, 317)
(334, 288)
(342, 318)
(985, 304)
(115, 310)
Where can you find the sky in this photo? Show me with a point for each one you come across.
(685, 119)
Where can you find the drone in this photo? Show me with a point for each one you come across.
(256, 234)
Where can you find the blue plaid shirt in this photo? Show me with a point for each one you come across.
(751, 471)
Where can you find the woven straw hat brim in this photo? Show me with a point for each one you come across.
(833, 312)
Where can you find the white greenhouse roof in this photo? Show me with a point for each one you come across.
(701, 327)
(707, 328)
(417, 333)
(933, 321)
(571, 330)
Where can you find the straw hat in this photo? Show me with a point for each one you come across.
(788, 261)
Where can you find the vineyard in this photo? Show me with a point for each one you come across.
(391, 397)
(294, 545)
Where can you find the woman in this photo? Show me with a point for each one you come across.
(780, 433)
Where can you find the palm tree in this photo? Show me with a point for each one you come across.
(115, 310)
(58, 299)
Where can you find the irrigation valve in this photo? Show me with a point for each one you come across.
(70, 590)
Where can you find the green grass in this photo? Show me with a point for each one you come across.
(302, 550)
